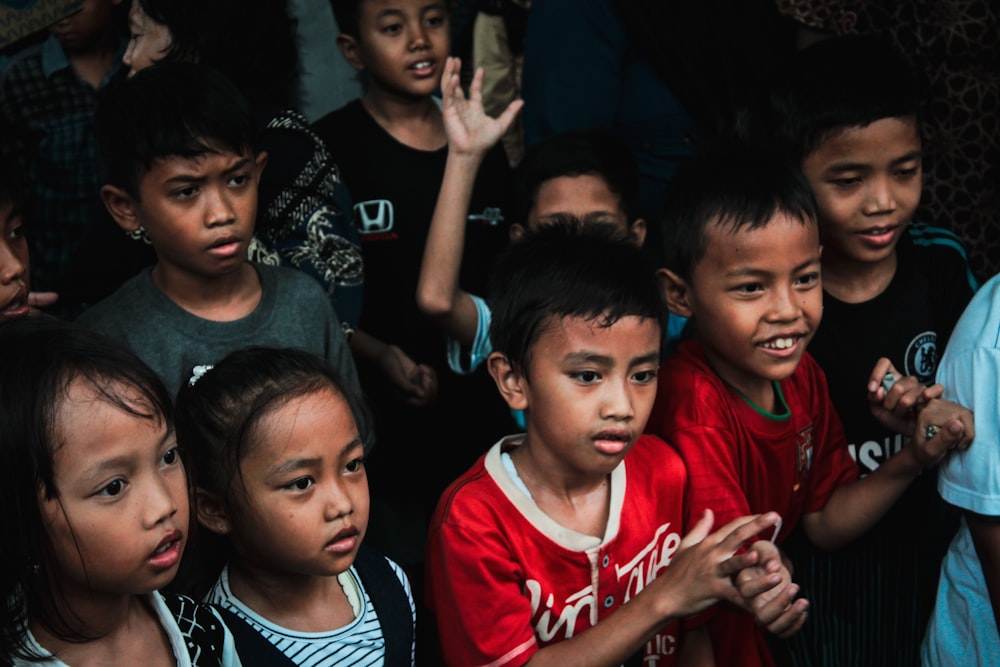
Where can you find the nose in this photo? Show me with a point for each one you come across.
(161, 503)
(11, 266)
(420, 38)
(879, 196)
(785, 306)
(219, 209)
(338, 502)
(617, 403)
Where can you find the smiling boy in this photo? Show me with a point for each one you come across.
(850, 109)
(744, 404)
(178, 142)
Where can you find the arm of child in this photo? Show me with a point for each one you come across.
(471, 134)
(699, 575)
(985, 533)
(855, 507)
(416, 384)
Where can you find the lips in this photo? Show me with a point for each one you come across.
(225, 247)
(168, 551)
(613, 441)
(17, 306)
(424, 67)
(783, 345)
(343, 542)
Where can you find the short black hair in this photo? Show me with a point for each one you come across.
(176, 109)
(842, 82)
(730, 185)
(568, 269)
(347, 13)
(577, 153)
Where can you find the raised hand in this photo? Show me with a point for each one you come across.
(470, 130)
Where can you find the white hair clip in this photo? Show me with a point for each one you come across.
(197, 372)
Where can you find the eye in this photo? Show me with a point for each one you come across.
(301, 484)
(846, 182)
(355, 465)
(586, 377)
(749, 289)
(435, 21)
(392, 28)
(239, 180)
(807, 280)
(16, 232)
(185, 193)
(906, 173)
(171, 456)
(113, 488)
(644, 377)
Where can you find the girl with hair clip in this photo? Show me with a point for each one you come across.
(278, 445)
(95, 512)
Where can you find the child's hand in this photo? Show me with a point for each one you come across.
(701, 571)
(416, 384)
(894, 399)
(39, 300)
(769, 594)
(470, 130)
(941, 426)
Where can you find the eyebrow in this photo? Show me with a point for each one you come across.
(116, 462)
(839, 167)
(604, 360)
(193, 178)
(751, 272)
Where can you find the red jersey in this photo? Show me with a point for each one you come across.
(504, 579)
(741, 461)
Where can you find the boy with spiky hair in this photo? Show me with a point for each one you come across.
(178, 140)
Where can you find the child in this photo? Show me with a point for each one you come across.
(278, 443)
(48, 93)
(391, 147)
(963, 629)
(303, 207)
(15, 283)
(743, 403)
(891, 287)
(590, 175)
(178, 140)
(95, 508)
(563, 545)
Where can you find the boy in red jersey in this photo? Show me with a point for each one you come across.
(563, 545)
(746, 407)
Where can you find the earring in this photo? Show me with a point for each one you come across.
(139, 234)
(35, 568)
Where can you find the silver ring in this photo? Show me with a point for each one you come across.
(931, 430)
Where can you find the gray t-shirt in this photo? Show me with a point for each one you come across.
(293, 312)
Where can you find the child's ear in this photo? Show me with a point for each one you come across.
(517, 231)
(350, 50)
(509, 382)
(675, 292)
(121, 206)
(211, 511)
(637, 231)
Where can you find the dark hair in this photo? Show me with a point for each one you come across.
(841, 82)
(568, 269)
(252, 42)
(42, 357)
(174, 109)
(730, 186)
(347, 13)
(577, 153)
(218, 416)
